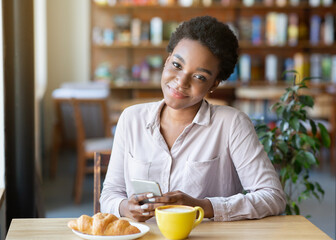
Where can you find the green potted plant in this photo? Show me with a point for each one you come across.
(294, 143)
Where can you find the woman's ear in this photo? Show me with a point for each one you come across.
(215, 85)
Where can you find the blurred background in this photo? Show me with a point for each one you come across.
(92, 59)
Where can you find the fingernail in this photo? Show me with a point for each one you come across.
(145, 213)
(150, 195)
(151, 200)
(145, 206)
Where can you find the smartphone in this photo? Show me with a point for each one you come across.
(143, 186)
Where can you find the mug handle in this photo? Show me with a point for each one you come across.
(200, 216)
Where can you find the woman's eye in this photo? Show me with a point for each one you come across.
(200, 77)
(176, 65)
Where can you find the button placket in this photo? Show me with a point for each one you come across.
(165, 179)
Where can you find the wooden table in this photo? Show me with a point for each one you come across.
(278, 227)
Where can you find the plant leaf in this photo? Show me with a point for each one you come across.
(284, 126)
(319, 188)
(313, 127)
(296, 208)
(324, 135)
(311, 159)
(302, 129)
(283, 147)
(279, 111)
(267, 142)
(285, 96)
(306, 100)
(297, 141)
(288, 210)
(294, 123)
(308, 140)
(305, 158)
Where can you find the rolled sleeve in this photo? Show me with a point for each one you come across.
(220, 208)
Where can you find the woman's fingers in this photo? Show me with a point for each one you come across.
(140, 198)
(170, 198)
(150, 207)
(142, 212)
(142, 206)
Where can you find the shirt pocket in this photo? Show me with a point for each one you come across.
(201, 177)
(138, 169)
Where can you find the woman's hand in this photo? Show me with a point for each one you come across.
(135, 208)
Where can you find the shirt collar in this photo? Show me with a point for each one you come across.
(202, 117)
(154, 114)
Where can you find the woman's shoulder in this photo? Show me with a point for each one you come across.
(141, 108)
(225, 110)
(228, 113)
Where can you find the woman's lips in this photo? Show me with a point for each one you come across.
(175, 93)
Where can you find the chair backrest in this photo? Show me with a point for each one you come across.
(65, 122)
(101, 161)
(93, 118)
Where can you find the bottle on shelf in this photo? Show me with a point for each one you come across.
(245, 68)
(136, 31)
(156, 26)
(271, 68)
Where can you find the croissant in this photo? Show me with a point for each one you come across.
(104, 224)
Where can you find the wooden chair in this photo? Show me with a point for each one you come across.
(101, 161)
(64, 128)
(64, 133)
(86, 110)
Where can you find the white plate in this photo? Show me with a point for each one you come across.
(143, 230)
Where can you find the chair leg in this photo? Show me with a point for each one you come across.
(54, 152)
(80, 173)
(333, 154)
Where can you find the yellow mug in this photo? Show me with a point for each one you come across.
(176, 221)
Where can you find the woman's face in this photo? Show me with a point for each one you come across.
(189, 74)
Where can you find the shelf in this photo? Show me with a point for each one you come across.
(136, 85)
(275, 8)
(167, 7)
(243, 45)
(163, 45)
(237, 6)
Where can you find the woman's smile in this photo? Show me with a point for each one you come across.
(175, 92)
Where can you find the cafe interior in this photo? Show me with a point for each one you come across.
(70, 67)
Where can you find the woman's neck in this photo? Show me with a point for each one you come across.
(179, 116)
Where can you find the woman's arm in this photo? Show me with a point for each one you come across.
(114, 190)
(264, 194)
(114, 197)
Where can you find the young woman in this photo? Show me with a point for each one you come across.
(200, 154)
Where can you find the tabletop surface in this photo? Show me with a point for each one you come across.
(277, 227)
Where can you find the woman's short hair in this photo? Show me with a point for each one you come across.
(215, 35)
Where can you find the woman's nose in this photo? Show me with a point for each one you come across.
(183, 80)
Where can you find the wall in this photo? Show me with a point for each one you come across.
(2, 126)
(2, 135)
(68, 52)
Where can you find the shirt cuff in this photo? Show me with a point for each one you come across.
(220, 206)
(114, 207)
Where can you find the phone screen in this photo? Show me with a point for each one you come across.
(143, 186)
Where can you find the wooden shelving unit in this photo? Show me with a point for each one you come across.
(127, 54)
